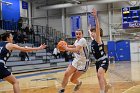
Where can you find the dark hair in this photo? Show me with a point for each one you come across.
(80, 30)
(94, 30)
(5, 35)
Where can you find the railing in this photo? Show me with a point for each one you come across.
(42, 34)
(48, 35)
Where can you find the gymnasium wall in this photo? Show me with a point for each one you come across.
(11, 12)
(54, 19)
(103, 16)
(38, 16)
(116, 14)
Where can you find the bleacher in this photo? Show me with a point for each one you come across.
(39, 60)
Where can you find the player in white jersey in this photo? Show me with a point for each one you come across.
(80, 63)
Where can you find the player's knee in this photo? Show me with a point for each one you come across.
(99, 74)
(66, 74)
(72, 80)
(15, 82)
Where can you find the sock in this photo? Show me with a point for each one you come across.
(101, 91)
(78, 83)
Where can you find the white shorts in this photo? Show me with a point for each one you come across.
(80, 65)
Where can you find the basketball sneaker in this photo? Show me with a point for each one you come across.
(107, 87)
(61, 91)
(77, 87)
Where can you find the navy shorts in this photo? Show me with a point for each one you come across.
(3, 71)
(103, 63)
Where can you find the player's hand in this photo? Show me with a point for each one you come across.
(64, 47)
(94, 12)
(89, 27)
(42, 46)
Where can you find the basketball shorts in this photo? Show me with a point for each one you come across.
(3, 71)
(80, 65)
(102, 63)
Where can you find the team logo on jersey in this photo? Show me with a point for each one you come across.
(0, 49)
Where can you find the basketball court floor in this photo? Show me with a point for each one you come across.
(124, 77)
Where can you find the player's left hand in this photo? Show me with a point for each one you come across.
(42, 46)
(89, 27)
(64, 47)
(94, 12)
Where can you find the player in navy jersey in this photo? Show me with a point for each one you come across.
(6, 47)
(97, 49)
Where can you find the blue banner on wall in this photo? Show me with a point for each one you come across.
(75, 24)
(91, 21)
(24, 5)
(11, 12)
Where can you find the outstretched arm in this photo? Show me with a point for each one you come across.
(90, 32)
(98, 37)
(11, 46)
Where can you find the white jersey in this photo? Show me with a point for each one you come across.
(83, 53)
(81, 60)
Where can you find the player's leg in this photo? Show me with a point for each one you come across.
(81, 70)
(70, 70)
(101, 79)
(102, 67)
(74, 79)
(11, 79)
(7, 76)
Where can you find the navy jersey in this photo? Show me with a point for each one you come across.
(4, 53)
(97, 49)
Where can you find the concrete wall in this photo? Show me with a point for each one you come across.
(53, 18)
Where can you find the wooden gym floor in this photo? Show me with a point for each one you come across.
(124, 77)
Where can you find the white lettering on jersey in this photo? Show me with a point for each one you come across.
(0, 49)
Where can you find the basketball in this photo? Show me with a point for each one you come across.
(60, 44)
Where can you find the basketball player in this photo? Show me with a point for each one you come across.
(97, 48)
(6, 47)
(80, 63)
